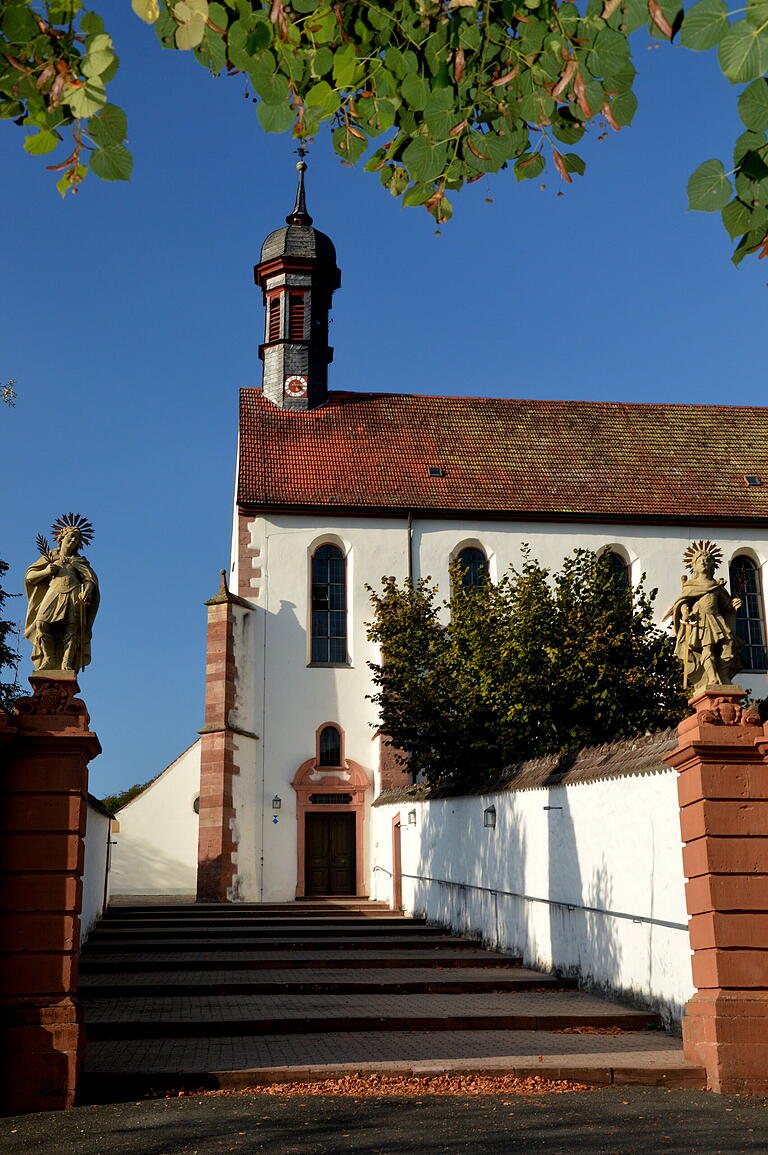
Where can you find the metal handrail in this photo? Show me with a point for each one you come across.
(546, 901)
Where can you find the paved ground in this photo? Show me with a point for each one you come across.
(389, 1050)
(617, 1120)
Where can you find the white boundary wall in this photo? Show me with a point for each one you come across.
(95, 866)
(155, 847)
(611, 845)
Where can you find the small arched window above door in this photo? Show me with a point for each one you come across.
(329, 606)
(474, 566)
(329, 747)
(750, 618)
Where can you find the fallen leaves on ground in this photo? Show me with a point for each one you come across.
(407, 1086)
(589, 1031)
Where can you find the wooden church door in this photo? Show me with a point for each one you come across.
(330, 854)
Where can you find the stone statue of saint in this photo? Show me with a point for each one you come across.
(704, 620)
(63, 595)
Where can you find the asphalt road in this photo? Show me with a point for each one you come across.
(612, 1120)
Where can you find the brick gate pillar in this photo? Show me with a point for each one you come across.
(722, 760)
(45, 747)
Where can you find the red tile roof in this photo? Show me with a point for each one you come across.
(579, 458)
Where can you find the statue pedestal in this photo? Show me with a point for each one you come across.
(722, 760)
(45, 749)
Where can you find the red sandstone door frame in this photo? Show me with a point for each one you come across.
(397, 866)
(350, 779)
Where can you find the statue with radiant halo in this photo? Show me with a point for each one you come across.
(704, 621)
(63, 595)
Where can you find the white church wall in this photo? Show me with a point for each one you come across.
(95, 866)
(284, 699)
(612, 845)
(155, 849)
(291, 699)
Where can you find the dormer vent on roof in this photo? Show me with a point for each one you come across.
(297, 274)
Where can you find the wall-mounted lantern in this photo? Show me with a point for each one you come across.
(489, 817)
(411, 817)
(277, 802)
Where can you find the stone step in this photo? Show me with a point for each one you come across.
(140, 1016)
(382, 943)
(128, 1069)
(298, 909)
(257, 960)
(275, 918)
(305, 981)
(112, 934)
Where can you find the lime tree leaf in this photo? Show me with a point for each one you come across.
(757, 12)
(709, 189)
(574, 163)
(418, 194)
(99, 56)
(416, 92)
(275, 117)
(753, 105)
(41, 142)
(348, 144)
(147, 10)
(112, 163)
(624, 107)
(86, 99)
(704, 25)
(109, 126)
(425, 161)
(736, 218)
(743, 52)
(530, 166)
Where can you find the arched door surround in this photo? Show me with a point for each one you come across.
(330, 790)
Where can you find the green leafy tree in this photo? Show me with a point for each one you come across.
(9, 655)
(534, 664)
(113, 802)
(434, 92)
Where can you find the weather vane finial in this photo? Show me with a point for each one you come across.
(298, 214)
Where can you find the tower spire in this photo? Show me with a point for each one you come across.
(298, 214)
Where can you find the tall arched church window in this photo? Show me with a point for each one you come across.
(474, 566)
(329, 746)
(750, 619)
(329, 605)
(618, 568)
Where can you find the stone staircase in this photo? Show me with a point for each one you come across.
(198, 996)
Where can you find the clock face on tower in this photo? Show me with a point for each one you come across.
(295, 386)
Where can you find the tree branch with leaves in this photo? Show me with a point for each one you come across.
(536, 663)
(433, 93)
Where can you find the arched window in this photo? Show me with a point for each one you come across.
(329, 747)
(474, 566)
(750, 619)
(329, 605)
(618, 568)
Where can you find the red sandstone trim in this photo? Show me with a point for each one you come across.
(723, 793)
(216, 847)
(350, 778)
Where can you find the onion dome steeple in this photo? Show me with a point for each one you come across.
(297, 274)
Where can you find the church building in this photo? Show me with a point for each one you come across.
(336, 490)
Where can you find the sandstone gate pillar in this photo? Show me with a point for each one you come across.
(722, 760)
(45, 748)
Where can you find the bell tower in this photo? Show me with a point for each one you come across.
(297, 275)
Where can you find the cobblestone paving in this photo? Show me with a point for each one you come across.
(368, 1050)
(573, 1005)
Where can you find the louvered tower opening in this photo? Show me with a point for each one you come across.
(296, 317)
(274, 320)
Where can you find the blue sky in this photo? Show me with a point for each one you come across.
(130, 319)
